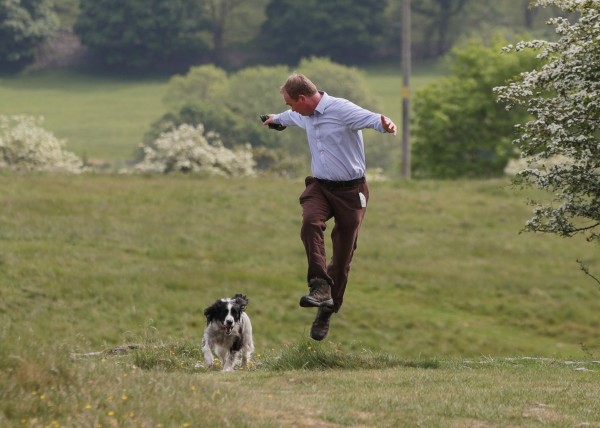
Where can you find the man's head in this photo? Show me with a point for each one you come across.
(300, 94)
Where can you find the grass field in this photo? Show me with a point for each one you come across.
(99, 117)
(466, 321)
(451, 318)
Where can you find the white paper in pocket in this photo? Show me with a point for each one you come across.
(363, 200)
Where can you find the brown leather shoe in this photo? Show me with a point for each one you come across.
(319, 295)
(320, 326)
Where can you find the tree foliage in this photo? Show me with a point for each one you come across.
(229, 105)
(24, 24)
(460, 129)
(141, 33)
(346, 31)
(441, 13)
(563, 98)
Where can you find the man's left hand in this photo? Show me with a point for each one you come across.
(388, 125)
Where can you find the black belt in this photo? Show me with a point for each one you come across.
(341, 184)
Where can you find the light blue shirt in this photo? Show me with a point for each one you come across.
(335, 137)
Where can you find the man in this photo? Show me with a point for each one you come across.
(337, 188)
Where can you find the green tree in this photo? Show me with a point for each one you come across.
(141, 33)
(346, 31)
(562, 140)
(441, 14)
(24, 24)
(460, 129)
(233, 26)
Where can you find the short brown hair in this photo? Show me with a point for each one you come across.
(298, 84)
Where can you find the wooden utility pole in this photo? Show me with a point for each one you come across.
(406, 69)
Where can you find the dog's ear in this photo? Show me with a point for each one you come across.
(210, 313)
(241, 300)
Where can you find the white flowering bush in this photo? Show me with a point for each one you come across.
(26, 146)
(562, 97)
(188, 149)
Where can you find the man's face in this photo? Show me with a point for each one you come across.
(300, 105)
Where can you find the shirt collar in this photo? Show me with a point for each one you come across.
(320, 108)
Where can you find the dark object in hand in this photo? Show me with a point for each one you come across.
(274, 126)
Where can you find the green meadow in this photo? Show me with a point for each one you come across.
(99, 117)
(452, 317)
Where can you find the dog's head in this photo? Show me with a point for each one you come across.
(226, 313)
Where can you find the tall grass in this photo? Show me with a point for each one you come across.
(309, 355)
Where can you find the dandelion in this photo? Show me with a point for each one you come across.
(88, 406)
(193, 387)
(111, 413)
(124, 397)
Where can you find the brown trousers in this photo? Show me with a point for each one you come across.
(319, 204)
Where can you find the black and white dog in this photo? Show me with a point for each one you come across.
(228, 333)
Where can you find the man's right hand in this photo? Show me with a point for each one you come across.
(266, 118)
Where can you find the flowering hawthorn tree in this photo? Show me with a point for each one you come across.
(563, 98)
(188, 149)
(26, 146)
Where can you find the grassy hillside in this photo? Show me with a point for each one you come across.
(445, 299)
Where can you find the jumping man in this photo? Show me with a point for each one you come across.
(337, 187)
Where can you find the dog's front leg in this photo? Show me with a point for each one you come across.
(246, 359)
(230, 361)
(208, 356)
